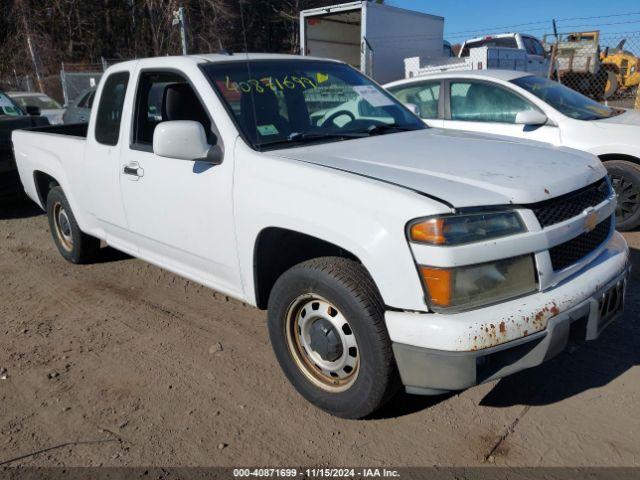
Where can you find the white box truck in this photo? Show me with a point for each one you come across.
(371, 37)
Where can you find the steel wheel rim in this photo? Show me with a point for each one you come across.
(62, 226)
(303, 317)
(628, 197)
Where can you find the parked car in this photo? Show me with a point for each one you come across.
(48, 106)
(524, 106)
(79, 108)
(386, 252)
(12, 117)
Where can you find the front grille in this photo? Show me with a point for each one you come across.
(562, 208)
(570, 252)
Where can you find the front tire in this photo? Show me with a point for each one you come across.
(74, 245)
(625, 178)
(326, 324)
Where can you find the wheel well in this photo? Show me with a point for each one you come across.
(619, 156)
(279, 249)
(44, 183)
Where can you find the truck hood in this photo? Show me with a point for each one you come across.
(462, 169)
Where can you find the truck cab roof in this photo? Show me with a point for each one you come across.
(216, 58)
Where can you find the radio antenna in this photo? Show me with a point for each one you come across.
(246, 53)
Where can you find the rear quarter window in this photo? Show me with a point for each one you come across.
(110, 107)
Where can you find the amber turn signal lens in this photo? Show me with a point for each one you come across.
(429, 231)
(439, 285)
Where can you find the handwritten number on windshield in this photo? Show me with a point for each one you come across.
(260, 85)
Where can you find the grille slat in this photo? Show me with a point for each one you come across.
(562, 208)
(570, 252)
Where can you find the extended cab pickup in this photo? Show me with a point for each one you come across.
(385, 252)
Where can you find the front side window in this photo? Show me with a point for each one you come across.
(424, 96)
(285, 102)
(485, 102)
(110, 108)
(161, 97)
(8, 107)
(565, 100)
(87, 100)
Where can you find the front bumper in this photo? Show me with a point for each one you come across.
(490, 343)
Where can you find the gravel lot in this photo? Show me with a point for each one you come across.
(121, 363)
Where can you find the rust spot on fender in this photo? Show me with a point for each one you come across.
(546, 190)
(503, 328)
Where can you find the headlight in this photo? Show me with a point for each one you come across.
(459, 229)
(482, 284)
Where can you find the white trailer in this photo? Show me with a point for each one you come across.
(371, 37)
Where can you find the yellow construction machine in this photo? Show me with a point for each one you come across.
(623, 69)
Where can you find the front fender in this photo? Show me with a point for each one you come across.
(361, 215)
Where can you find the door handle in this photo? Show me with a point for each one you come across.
(133, 169)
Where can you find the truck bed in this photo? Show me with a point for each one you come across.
(54, 150)
(72, 129)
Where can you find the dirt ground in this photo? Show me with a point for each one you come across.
(121, 363)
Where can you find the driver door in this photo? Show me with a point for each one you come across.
(179, 211)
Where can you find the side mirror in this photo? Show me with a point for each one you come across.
(531, 117)
(414, 108)
(184, 140)
(32, 110)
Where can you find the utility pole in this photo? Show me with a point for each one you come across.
(178, 19)
(36, 67)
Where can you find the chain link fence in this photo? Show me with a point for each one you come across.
(605, 67)
(76, 78)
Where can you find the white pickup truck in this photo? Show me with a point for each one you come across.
(506, 51)
(386, 252)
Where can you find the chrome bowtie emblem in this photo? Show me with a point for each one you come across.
(591, 219)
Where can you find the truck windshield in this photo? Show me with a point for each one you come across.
(283, 103)
(566, 101)
(40, 101)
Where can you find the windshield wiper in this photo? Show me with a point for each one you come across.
(303, 137)
(387, 127)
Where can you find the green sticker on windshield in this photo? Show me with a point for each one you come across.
(266, 130)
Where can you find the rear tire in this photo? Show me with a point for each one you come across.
(74, 245)
(326, 324)
(625, 177)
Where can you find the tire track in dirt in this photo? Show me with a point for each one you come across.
(144, 364)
